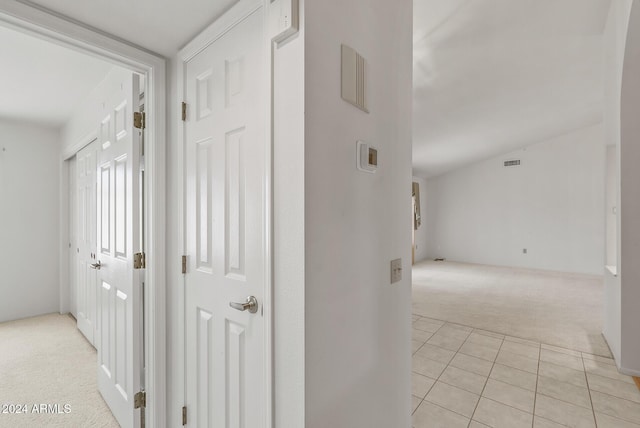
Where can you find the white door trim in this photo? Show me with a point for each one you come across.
(241, 10)
(47, 25)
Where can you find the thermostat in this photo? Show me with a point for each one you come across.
(367, 157)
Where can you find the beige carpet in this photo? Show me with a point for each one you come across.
(549, 307)
(46, 360)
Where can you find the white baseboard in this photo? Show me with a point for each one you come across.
(629, 372)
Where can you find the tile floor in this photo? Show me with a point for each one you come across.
(466, 377)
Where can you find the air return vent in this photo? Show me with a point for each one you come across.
(354, 78)
(515, 162)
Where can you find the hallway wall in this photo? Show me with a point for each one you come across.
(29, 282)
(357, 323)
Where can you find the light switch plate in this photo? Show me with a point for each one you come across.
(396, 270)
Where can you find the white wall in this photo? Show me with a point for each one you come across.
(357, 324)
(615, 38)
(552, 205)
(29, 220)
(611, 205)
(629, 212)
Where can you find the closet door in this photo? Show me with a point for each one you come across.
(86, 278)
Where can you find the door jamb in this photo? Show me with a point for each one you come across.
(241, 10)
(48, 25)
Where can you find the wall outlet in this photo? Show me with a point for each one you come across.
(524, 251)
(396, 270)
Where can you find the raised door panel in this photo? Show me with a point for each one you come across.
(119, 356)
(224, 176)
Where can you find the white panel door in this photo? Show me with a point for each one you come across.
(86, 277)
(225, 215)
(119, 287)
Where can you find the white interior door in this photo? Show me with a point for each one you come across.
(119, 295)
(225, 216)
(86, 278)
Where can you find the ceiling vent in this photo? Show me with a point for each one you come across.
(515, 162)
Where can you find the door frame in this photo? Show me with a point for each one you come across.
(236, 14)
(50, 26)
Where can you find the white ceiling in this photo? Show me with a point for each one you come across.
(42, 82)
(161, 26)
(492, 76)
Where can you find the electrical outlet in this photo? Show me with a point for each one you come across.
(524, 251)
(396, 270)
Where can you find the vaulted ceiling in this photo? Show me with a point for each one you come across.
(492, 76)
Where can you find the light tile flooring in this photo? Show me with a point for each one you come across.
(465, 377)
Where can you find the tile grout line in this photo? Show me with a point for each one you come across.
(586, 378)
(535, 393)
(425, 395)
(485, 383)
(438, 380)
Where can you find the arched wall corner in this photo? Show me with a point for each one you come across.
(629, 200)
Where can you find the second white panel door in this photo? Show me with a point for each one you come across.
(225, 236)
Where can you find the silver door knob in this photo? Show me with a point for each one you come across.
(251, 305)
(96, 266)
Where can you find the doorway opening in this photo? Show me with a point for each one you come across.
(99, 195)
(517, 174)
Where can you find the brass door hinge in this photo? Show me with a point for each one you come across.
(139, 120)
(184, 111)
(139, 261)
(184, 264)
(184, 415)
(140, 400)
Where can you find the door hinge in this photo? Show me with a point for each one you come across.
(184, 264)
(139, 261)
(184, 415)
(184, 111)
(139, 120)
(140, 400)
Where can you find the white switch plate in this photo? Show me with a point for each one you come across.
(396, 270)
(283, 19)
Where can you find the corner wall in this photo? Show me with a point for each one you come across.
(615, 35)
(629, 212)
(29, 220)
(552, 205)
(357, 324)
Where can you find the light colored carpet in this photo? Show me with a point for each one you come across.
(549, 307)
(46, 360)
